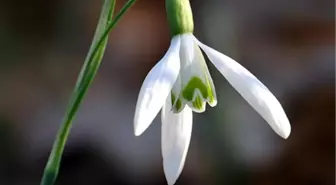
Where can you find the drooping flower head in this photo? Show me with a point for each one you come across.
(181, 83)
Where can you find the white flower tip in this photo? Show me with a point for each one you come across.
(172, 174)
(171, 180)
(281, 125)
(140, 124)
(285, 130)
(137, 132)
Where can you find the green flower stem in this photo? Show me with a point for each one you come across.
(85, 78)
(180, 17)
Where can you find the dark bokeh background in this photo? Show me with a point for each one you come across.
(287, 44)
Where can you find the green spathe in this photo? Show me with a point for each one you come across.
(179, 16)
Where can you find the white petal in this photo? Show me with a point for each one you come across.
(250, 88)
(176, 134)
(156, 87)
(197, 85)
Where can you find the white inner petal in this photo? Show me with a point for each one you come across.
(191, 59)
(193, 65)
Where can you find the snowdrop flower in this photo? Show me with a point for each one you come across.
(180, 83)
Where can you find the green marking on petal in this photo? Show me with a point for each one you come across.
(198, 104)
(173, 98)
(176, 104)
(197, 92)
(194, 84)
(211, 93)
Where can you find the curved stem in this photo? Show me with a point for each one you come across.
(85, 78)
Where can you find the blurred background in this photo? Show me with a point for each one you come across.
(288, 44)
